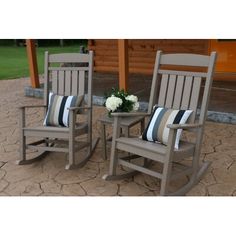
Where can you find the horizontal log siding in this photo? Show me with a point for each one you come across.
(142, 52)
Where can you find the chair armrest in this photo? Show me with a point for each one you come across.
(126, 114)
(183, 126)
(78, 108)
(31, 106)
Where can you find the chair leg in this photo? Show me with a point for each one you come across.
(113, 160)
(193, 180)
(91, 144)
(89, 140)
(167, 167)
(166, 178)
(89, 137)
(22, 149)
(22, 138)
(71, 161)
(113, 164)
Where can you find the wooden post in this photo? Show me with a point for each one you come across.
(31, 53)
(123, 63)
(62, 42)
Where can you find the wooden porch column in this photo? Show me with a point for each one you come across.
(31, 53)
(123, 63)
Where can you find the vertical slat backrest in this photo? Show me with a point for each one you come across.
(182, 93)
(178, 92)
(74, 82)
(55, 76)
(187, 89)
(69, 72)
(68, 90)
(61, 83)
(163, 90)
(170, 92)
(180, 89)
(81, 86)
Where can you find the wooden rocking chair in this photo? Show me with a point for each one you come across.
(71, 74)
(178, 89)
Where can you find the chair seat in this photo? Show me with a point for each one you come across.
(142, 147)
(54, 132)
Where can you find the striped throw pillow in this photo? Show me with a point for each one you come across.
(58, 113)
(157, 131)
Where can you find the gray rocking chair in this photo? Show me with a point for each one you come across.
(71, 74)
(177, 88)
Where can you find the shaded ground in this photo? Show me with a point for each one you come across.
(48, 176)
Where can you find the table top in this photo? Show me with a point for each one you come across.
(125, 121)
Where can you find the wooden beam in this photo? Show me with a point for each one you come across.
(123, 63)
(31, 53)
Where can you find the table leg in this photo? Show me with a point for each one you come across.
(104, 141)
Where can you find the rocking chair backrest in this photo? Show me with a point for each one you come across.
(180, 89)
(70, 74)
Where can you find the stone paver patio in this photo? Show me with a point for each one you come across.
(48, 176)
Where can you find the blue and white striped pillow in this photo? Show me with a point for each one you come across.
(157, 131)
(58, 113)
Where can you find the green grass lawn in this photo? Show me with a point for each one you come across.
(14, 62)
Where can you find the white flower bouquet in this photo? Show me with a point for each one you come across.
(121, 101)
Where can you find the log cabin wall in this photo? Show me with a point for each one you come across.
(142, 52)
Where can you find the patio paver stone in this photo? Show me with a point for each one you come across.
(49, 178)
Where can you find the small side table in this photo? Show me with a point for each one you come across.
(126, 124)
